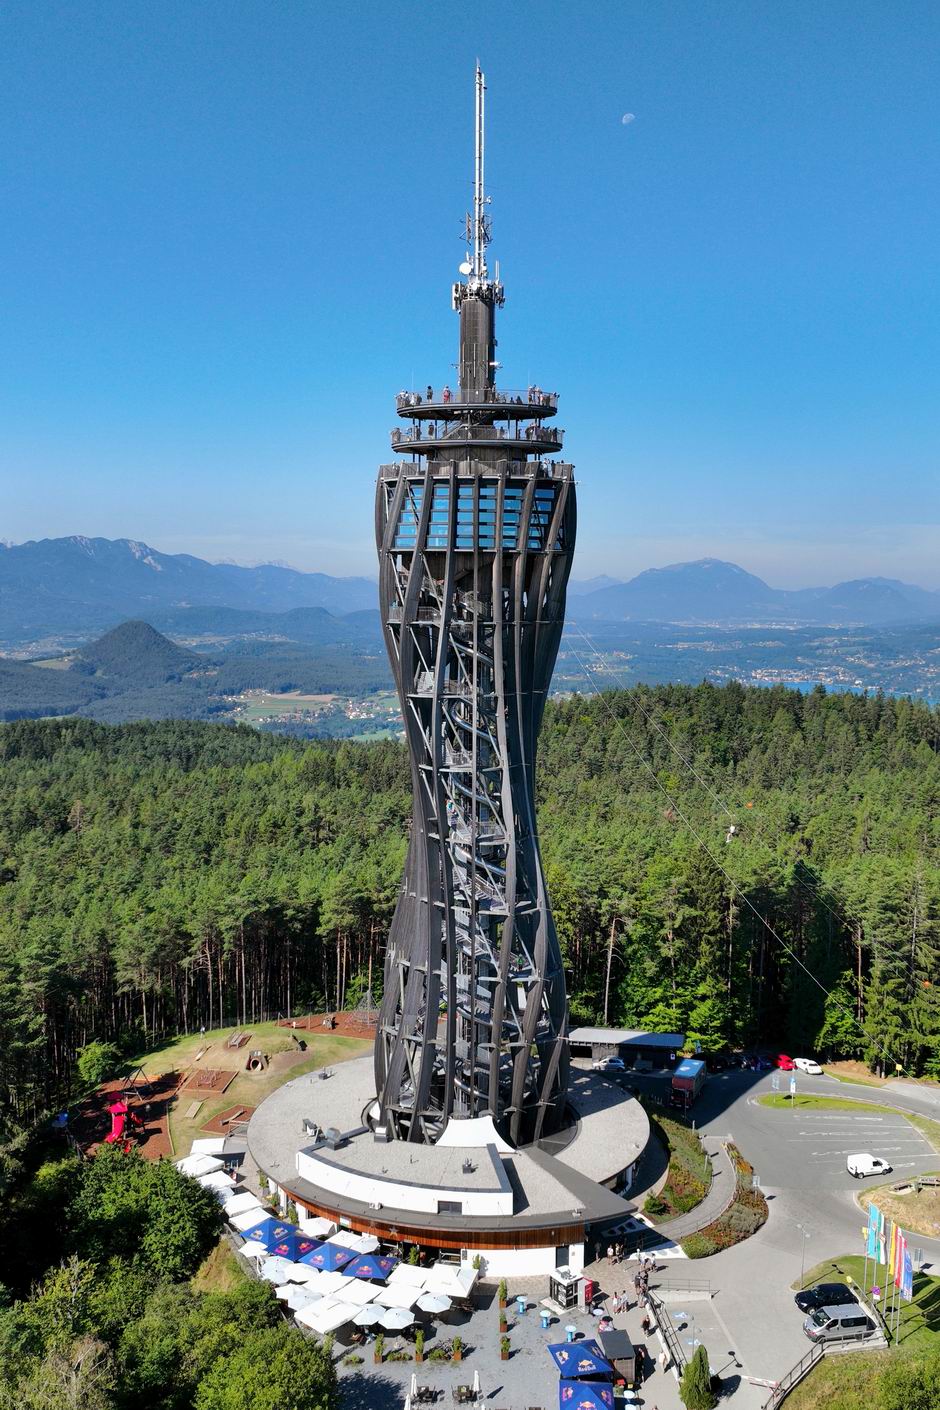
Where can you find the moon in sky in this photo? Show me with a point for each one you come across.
(628, 118)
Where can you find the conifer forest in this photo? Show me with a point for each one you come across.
(745, 866)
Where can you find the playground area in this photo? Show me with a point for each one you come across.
(143, 1122)
(358, 1023)
(204, 1083)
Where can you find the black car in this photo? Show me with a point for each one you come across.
(824, 1295)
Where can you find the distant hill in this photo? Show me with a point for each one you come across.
(135, 672)
(580, 587)
(710, 590)
(134, 654)
(51, 587)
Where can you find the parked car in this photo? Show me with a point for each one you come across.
(609, 1064)
(809, 1065)
(861, 1165)
(825, 1295)
(786, 1064)
(717, 1062)
(838, 1324)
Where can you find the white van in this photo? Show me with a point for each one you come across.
(861, 1165)
(839, 1324)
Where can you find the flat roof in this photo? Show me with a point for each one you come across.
(622, 1036)
(611, 1131)
(689, 1067)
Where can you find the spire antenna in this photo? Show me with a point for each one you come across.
(481, 234)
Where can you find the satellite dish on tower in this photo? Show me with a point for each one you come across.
(466, 267)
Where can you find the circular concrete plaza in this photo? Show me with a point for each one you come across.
(526, 1210)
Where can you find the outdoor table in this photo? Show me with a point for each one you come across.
(546, 1317)
(570, 1333)
(521, 1305)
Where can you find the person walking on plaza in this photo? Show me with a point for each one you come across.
(610, 1255)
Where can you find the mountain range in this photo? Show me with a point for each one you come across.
(713, 591)
(78, 585)
(68, 590)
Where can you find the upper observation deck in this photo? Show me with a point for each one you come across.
(441, 403)
(442, 437)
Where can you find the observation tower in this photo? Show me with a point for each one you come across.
(475, 532)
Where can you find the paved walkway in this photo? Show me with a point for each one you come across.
(715, 1202)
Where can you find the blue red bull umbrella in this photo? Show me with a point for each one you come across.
(329, 1258)
(371, 1265)
(268, 1231)
(581, 1360)
(584, 1395)
(294, 1245)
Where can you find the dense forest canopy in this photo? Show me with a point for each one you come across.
(158, 876)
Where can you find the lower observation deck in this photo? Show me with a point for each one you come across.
(428, 439)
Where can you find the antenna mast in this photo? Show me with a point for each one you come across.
(481, 234)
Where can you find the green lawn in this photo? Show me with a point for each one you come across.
(842, 1383)
(920, 1319)
(782, 1101)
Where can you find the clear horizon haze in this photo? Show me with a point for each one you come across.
(231, 230)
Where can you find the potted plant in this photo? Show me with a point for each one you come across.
(502, 1292)
(379, 1349)
(477, 1262)
(457, 1349)
(419, 1345)
(503, 1324)
(504, 1348)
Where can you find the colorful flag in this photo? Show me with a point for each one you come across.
(899, 1259)
(907, 1276)
(882, 1242)
(871, 1248)
(893, 1258)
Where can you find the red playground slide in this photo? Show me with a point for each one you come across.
(120, 1114)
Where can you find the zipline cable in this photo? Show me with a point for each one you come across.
(807, 885)
(735, 885)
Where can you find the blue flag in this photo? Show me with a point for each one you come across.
(873, 1227)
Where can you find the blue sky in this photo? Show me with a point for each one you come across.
(230, 231)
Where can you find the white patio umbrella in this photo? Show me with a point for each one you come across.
(208, 1145)
(241, 1203)
(307, 1274)
(359, 1243)
(368, 1316)
(409, 1275)
(248, 1220)
(434, 1302)
(296, 1297)
(451, 1280)
(277, 1270)
(326, 1316)
(317, 1226)
(332, 1283)
(198, 1165)
(395, 1318)
(359, 1293)
(397, 1297)
(219, 1182)
(252, 1249)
